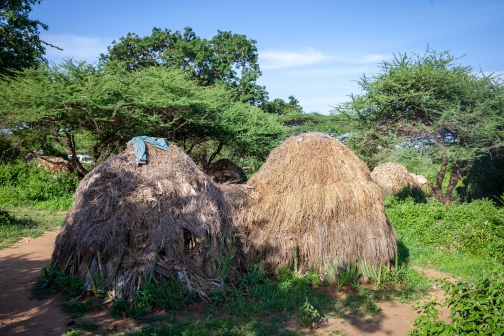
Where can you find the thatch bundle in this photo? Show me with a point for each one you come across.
(226, 171)
(52, 163)
(314, 200)
(392, 177)
(422, 183)
(129, 223)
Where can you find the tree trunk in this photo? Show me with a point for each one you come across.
(455, 176)
(438, 189)
(75, 161)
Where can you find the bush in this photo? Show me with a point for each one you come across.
(476, 309)
(167, 295)
(22, 184)
(52, 280)
(476, 228)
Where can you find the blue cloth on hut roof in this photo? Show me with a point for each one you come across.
(139, 145)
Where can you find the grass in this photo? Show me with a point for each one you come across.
(16, 223)
(463, 239)
(456, 263)
(262, 304)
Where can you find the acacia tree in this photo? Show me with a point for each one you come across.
(114, 105)
(431, 103)
(206, 61)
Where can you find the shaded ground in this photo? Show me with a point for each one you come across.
(21, 264)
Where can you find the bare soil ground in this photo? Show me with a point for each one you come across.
(20, 315)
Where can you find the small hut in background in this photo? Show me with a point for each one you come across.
(422, 183)
(311, 201)
(49, 163)
(392, 177)
(226, 171)
(53, 163)
(132, 222)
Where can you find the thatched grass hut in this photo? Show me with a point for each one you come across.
(422, 183)
(314, 200)
(392, 177)
(226, 171)
(130, 223)
(53, 163)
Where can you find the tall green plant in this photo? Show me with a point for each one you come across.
(429, 102)
(475, 309)
(114, 105)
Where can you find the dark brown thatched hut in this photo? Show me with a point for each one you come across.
(314, 200)
(392, 177)
(129, 223)
(226, 171)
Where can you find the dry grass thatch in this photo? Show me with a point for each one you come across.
(52, 163)
(226, 171)
(131, 222)
(422, 183)
(314, 200)
(392, 177)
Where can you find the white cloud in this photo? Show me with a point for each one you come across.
(274, 59)
(373, 58)
(74, 46)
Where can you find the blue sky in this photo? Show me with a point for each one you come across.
(314, 50)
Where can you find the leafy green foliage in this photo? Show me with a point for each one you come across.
(308, 315)
(208, 62)
(429, 103)
(22, 184)
(166, 295)
(476, 228)
(476, 309)
(52, 280)
(114, 105)
(485, 178)
(20, 44)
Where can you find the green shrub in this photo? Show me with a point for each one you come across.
(52, 280)
(308, 315)
(167, 295)
(22, 184)
(476, 309)
(476, 228)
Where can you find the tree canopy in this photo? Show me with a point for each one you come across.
(20, 44)
(429, 102)
(113, 105)
(205, 61)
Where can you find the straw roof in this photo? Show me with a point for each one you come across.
(314, 200)
(422, 183)
(392, 177)
(129, 223)
(226, 171)
(52, 163)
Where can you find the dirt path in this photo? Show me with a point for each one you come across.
(21, 264)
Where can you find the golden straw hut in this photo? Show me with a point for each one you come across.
(313, 200)
(422, 183)
(131, 223)
(392, 177)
